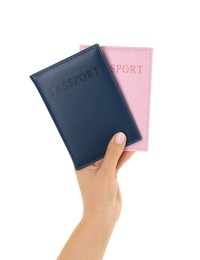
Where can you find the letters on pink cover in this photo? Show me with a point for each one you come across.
(132, 70)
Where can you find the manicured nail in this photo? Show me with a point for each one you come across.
(119, 138)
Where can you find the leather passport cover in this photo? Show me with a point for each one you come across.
(132, 70)
(86, 104)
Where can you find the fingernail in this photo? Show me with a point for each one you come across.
(119, 138)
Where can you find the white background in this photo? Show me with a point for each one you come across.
(40, 202)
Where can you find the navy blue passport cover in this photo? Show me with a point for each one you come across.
(86, 104)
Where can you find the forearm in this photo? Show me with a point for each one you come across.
(88, 241)
(101, 203)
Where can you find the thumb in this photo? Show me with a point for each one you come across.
(114, 150)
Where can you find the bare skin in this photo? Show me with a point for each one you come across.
(101, 204)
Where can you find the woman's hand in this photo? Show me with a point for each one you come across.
(98, 182)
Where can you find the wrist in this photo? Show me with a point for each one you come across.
(99, 219)
(101, 226)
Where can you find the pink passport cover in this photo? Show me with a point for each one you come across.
(132, 70)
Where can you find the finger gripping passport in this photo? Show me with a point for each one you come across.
(86, 104)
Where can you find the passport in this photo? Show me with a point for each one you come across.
(132, 68)
(86, 104)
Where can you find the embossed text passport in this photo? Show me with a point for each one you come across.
(132, 70)
(86, 104)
